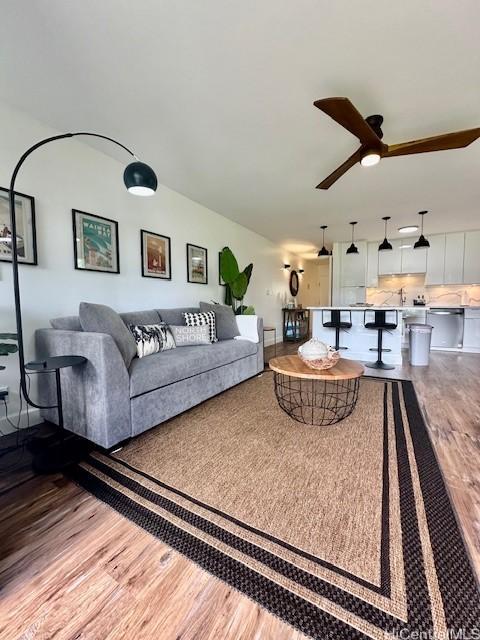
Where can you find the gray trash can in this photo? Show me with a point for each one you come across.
(419, 339)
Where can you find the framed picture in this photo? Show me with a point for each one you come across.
(197, 265)
(220, 279)
(156, 255)
(26, 231)
(95, 243)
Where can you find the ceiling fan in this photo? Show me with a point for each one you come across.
(370, 134)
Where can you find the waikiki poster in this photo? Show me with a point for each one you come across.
(96, 242)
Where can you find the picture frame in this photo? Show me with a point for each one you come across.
(220, 279)
(26, 228)
(156, 255)
(95, 243)
(197, 264)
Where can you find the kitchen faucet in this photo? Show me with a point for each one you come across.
(403, 296)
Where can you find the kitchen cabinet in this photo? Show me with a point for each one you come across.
(390, 262)
(372, 264)
(471, 262)
(471, 332)
(435, 260)
(454, 258)
(353, 265)
(413, 260)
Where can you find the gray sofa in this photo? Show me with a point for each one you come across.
(107, 403)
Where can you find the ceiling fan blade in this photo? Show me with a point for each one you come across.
(455, 140)
(342, 111)
(343, 168)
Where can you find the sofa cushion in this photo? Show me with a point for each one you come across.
(225, 320)
(160, 369)
(150, 316)
(190, 336)
(67, 323)
(99, 318)
(152, 338)
(175, 316)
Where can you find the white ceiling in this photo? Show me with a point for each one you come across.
(217, 96)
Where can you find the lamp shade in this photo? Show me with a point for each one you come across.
(323, 252)
(352, 249)
(140, 179)
(421, 243)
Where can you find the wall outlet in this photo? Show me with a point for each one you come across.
(3, 391)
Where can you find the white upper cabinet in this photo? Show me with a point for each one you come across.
(471, 263)
(353, 265)
(436, 260)
(454, 257)
(414, 260)
(390, 262)
(372, 264)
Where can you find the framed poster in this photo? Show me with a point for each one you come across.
(197, 265)
(220, 279)
(95, 243)
(26, 231)
(156, 255)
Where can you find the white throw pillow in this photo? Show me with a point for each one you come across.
(152, 338)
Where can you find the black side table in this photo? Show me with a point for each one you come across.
(60, 454)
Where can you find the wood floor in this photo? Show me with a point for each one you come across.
(71, 568)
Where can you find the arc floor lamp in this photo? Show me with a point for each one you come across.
(139, 179)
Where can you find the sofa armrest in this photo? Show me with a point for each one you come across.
(96, 395)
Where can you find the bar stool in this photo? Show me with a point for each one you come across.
(336, 323)
(380, 324)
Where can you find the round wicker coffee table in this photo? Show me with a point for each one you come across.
(316, 397)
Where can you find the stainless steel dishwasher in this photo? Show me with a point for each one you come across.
(447, 326)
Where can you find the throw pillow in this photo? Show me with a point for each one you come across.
(98, 318)
(201, 319)
(152, 338)
(225, 320)
(190, 336)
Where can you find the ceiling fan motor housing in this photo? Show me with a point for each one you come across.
(375, 123)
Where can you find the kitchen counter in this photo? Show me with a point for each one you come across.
(374, 308)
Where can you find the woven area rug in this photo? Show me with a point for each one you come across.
(345, 531)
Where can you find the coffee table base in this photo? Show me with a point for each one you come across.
(316, 402)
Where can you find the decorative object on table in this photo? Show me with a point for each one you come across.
(352, 248)
(139, 179)
(318, 355)
(422, 242)
(200, 319)
(324, 252)
(95, 243)
(152, 338)
(369, 131)
(25, 228)
(156, 255)
(190, 336)
(197, 264)
(225, 320)
(316, 397)
(7, 347)
(294, 283)
(236, 282)
(296, 324)
(291, 304)
(385, 245)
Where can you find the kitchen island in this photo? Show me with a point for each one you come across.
(361, 343)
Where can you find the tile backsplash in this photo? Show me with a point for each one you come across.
(448, 295)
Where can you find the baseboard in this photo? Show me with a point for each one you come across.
(31, 419)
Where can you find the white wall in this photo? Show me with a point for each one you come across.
(69, 174)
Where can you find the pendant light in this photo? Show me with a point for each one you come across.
(385, 246)
(422, 242)
(352, 248)
(323, 251)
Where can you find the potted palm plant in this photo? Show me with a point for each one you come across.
(236, 282)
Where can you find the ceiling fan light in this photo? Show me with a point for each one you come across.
(421, 243)
(385, 246)
(370, 158)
